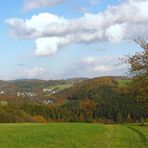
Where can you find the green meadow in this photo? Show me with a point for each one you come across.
(61, 87)
(73, 135)
(124, 83)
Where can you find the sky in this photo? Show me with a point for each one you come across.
(60, 39)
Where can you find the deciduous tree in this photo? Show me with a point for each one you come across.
(139, 71)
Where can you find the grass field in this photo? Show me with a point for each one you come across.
(61, 87)
(73, 135)
(124, 83)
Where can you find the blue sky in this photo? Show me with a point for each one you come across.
(56, 39)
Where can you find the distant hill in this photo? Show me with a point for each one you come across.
(92, 87)
(39, 84)
(7, 87)
(12, 86)
(28, 84)
(84, 88)
(77, 84)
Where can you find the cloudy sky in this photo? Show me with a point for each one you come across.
(56, 39)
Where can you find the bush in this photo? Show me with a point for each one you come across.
(39, 119)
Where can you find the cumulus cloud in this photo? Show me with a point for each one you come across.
(127, 20)
(34, 73)
(41, 25)
(48, 46)
(33, 4)
(115, 33)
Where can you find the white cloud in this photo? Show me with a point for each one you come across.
(43, 21)
(127, 20)
(33, 4)
(49, 46)
(41, 25)
(94, 66)
(34, 73)
(91, 66)
(115, 33)
(103, 64)
(102, 68)
(89, 60)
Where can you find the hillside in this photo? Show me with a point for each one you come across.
(35, 86)
(38, 84)
(29, 84)
(7, 88)
(90, 87)
(100, 99)
(32, 84)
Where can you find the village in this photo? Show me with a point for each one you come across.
(32, 94)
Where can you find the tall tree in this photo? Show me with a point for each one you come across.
(139, 71)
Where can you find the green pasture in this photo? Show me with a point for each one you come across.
(73, 135)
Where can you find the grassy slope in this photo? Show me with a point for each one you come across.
(124, 83)
(61, 87)
(65, 135)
